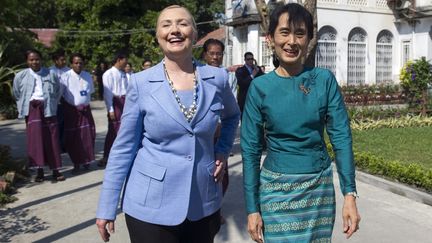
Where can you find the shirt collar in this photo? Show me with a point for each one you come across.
(76, 75)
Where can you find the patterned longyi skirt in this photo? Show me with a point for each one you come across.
(297, 207)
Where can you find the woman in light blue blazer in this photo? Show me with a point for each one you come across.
(164, 154)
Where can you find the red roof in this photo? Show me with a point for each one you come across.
(45, 36)
(218, 34)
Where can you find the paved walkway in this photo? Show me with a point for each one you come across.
(65, 211)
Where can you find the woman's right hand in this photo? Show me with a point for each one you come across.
(102, 227)
(255, 226)
(111, 115)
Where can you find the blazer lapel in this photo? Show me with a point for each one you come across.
(161, 92)
(206, 94)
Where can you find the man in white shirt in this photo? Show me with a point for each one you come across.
(80, 132)
(115, 84)
(59, 67)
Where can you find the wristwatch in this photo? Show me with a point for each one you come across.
(354, 194)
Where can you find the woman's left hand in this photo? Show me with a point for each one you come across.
(221, 162)
(350, 216)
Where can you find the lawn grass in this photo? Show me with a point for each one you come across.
(407, 145)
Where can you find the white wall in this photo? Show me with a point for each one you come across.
(344, 22)
(253, 40)
(420, 38)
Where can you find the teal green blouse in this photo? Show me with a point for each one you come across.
(291, 115)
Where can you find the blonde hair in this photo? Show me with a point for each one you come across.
(194, 26)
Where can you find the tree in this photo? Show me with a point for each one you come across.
(98, 28)
(311, 6)
(16, 16)
(415, 77)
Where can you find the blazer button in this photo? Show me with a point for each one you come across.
(191, 134)
(189, 157)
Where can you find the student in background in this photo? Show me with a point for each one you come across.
(37, 93)
(98, 73)
(244, 76)
(80, 132)
(59, 67)
(128, 71)
(147, 63)
(115, 85)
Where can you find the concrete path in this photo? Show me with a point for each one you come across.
(65, 211)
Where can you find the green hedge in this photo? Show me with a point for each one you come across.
(412, 174)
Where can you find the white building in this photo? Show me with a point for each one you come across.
(360, 41)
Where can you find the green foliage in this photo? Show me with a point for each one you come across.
(5, 198)
(8, 164)
(415, 77)
(408, 144)
(7, 103)
(98, 29)
(18, 15)
(5, 159)
(411, 174)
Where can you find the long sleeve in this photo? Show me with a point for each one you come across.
(122, 154)
(108, 82)
(58, 87)
(339, 131)
(252, 146)
(17, 86)
(229, 119)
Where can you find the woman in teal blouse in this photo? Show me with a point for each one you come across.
(291, 198)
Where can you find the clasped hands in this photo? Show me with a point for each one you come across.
(350, 216)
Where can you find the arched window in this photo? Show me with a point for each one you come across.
(384, 53)
(325, 56)
(357, 56)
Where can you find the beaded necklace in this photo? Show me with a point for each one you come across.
(187, 112)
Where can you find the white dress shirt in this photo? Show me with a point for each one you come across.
(77, 88)
(38, 90)
(115, 84)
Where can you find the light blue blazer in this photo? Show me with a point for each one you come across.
(168, 163)
(23, 88)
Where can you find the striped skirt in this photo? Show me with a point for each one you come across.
(297, 207)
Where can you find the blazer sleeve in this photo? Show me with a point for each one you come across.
(252, 139)
(122, 155)
(229, 119)
(339, 131)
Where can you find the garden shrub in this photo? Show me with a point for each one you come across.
(411, 174)
(415, 76)
(405, 121)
